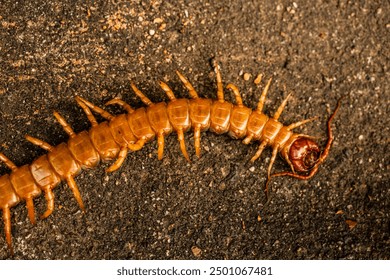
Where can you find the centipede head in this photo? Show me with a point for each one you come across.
(303, 154)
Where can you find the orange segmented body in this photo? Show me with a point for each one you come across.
(114, 138)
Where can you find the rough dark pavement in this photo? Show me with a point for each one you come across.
(213, 207)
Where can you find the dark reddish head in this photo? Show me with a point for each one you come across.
(304, 154)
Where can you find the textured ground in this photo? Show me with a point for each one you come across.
(210, 208)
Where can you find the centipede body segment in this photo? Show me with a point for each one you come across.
(115, 137)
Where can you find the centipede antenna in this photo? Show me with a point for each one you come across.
(167, 90)
(142, 96)
(188, 85)
(236, 92)
(68, 129)
(260, 105)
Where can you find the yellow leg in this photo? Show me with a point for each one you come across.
(259, 150)
(180, 135)
(142, 96)
(160, 144)
(73, 186)
(122, 103)
(247, 139)
(197, 140)
(64, 124)
(297, 124)
(7, 228)
(271, 163)
(188, 85)
(30, 209)
(8, 162)
(281, 107)
(87, 111)
(44, 145)
(260, 105)
(219, 84)
(237, 94)
(96, 109)
(167, 90)
(49, 196)
(118, 163)
(137, 145)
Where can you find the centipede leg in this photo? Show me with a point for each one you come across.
(87, 111)
(30, 209)
(8, 162)
(180, 135)
(40, 143)
(188, 85)
(142, 96)
(271, 163)
(7, 228)
(259, 150)
(118, 163)
(260, 104)
(76, 193)
(197, 140)
(236, 93)
(96, 109)
(68, 129)
(49, 196)
(281, 107)
(137, 145)
(220, 94)
(300, 123)
(121, 103)
(160, 144)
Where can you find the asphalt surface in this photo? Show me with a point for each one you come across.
(213, 207)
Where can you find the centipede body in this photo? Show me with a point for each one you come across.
(114, 138)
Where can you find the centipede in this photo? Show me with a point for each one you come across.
(117, 135)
